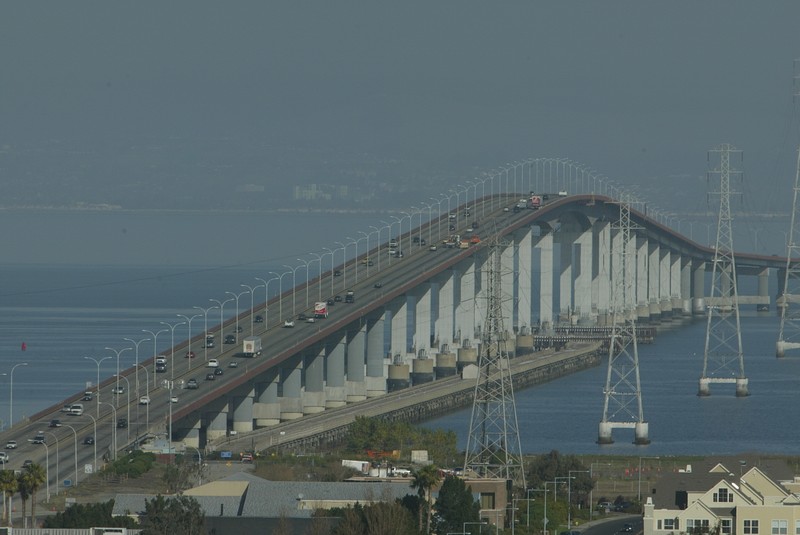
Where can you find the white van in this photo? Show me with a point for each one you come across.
(161, 359)
(76, 409)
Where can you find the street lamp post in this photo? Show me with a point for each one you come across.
(118, 353)
(128, 428)
(113, 427)
(280, 294)
(205, 329)
(221, 305)
(305, 263)
(294, 283)
(97, 384)
(169, 385)
(48, 462)
(266, 298)
(155, 345)
(136, 344)
(569, 495)
(94, 438)
(344, 262)
(639, 492)
(591, 495)
(46, 469)
(75, 433)
(252, 290)
(11, 395)
(189, 344)
(356, 242)
(319, 282)
(235, 296)
(172, 345)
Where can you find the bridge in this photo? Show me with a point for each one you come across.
(416, 318)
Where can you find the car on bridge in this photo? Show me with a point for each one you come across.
(191, 384)
(259, 319)
(122, 423)
(378, 285)
(212, 363)
(144, 400)
(55, 423)
(230, 338)
(11, 445)
(288, 324)
(210, 377)
(190, 354)
(39, 438)
(89, 440)
(218, 371)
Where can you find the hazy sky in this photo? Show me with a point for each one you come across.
(637, 90)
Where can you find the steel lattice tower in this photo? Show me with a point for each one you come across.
(789, 298)
(723, 360)
(493, 445)
(622, 407)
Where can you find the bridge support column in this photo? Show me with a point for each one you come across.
(291, 381)
(507, 283)
(664, 284)
(763, 289)
(582, 297)
(465, 307)
(698, 287)
(642, 278)
(356, 360)
(522, 238)
(543, 245)
(243, 413)
(267, 408)
(653, 280)
(376, 370)
(335, 390)
(481, 258)
(566, 306)
(217, 421)
(314, 393)
(399, 331)
(675, 283)
(187, 431)
(422, 319)
(601, 271)
(686, 285)
(444, 326)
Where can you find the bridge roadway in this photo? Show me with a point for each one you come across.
(396, 275)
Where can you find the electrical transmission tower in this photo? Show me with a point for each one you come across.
(493, 445)
(622, 407)
(723, 361)
(789, 297)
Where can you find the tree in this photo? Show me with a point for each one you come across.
(36, 477)
(423, 481)
(82, 516)
(167, 516)
(379, 518)
(8, 486)
(455, 505)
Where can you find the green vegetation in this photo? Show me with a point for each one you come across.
(89, 515)
(168, 516)
(132, 465)
(455, 506)
(377, 434)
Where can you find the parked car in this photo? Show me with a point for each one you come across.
(144, 400)
(191, 384)
(212, 363)
(210, 377)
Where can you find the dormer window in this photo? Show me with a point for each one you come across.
(723, 495)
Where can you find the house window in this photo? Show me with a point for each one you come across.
(723, 495)
(725, 526)
(669, 523)
(751, 527)
(696, 525)
(797, 527)
(780, 527)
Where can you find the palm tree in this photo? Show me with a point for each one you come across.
(36, 477)
(24, 493)
(424, 480)
(8, 486)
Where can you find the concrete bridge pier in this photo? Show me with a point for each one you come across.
(543, 248)
(741, 387)
(566, 306)
(187, 431)
(376, 373)
(465, 303)
(444, 324)
(523, 301)
(335, 389)
(267, 408)
(291, 381)
(243, 412)
(508, 278)
(601, 269)
(641, 430)
(422, 318)
(481, 258)
(641, 285)
(604, 435)
(763, 289)
(686, 286)
(698, 288)
(665, 284)
(704, 387)
(313, 394)
(398, 308)
(356, 385)
(653, 281)
(217, 418)
(582, 297)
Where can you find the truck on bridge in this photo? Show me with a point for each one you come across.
(252, 346)
(320, 310)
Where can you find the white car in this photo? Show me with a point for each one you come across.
(11, 445)
(173, 399)
(212, 363)
(288, 324)
(310, 319)
(144, 400)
